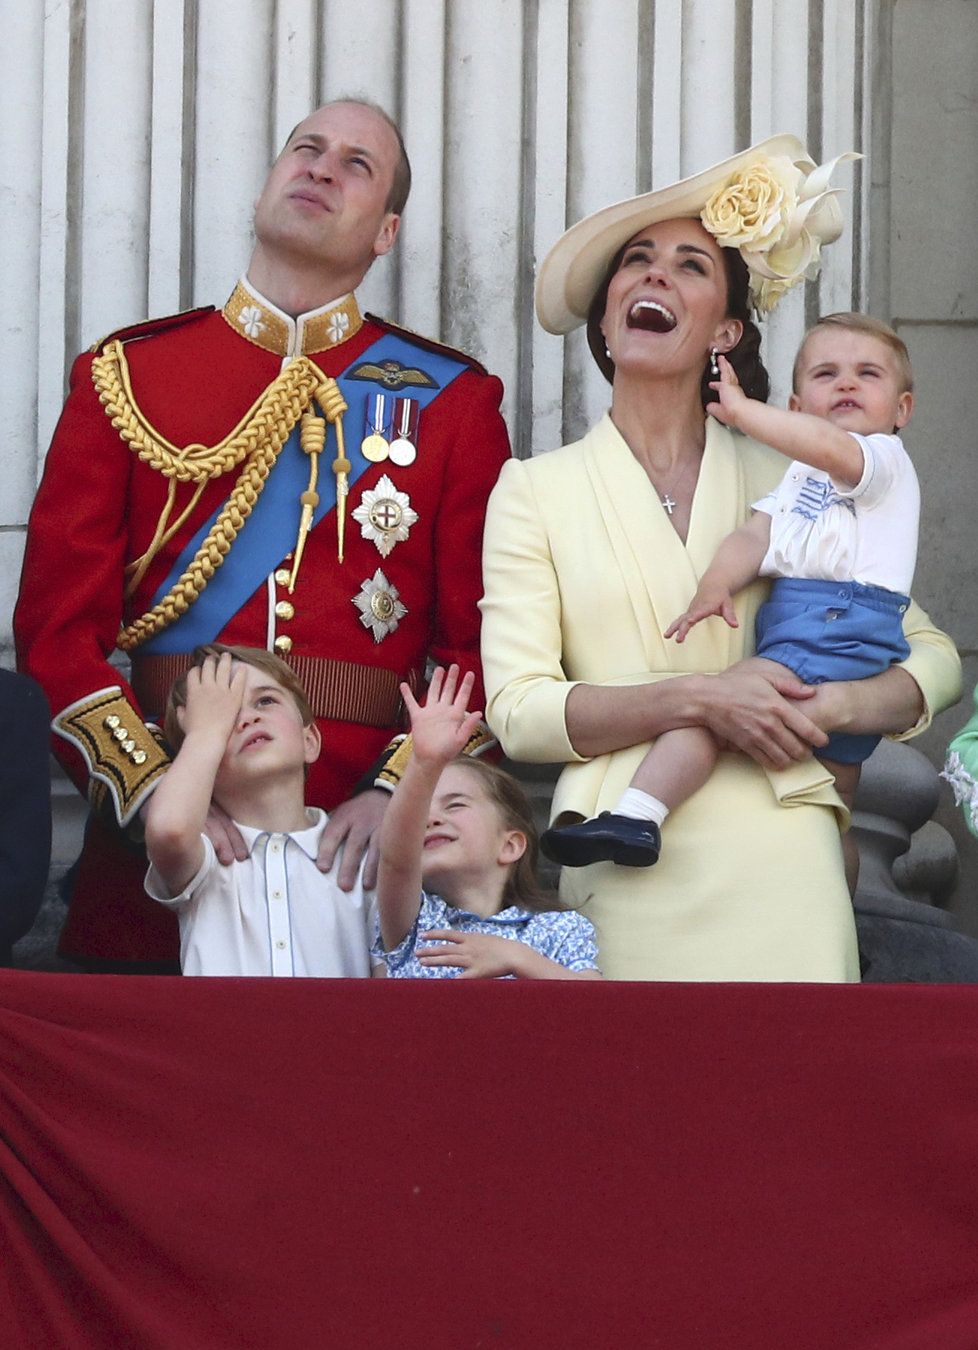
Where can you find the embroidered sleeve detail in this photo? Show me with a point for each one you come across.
(395, 763)
(390, 775)
(964, 787)
(120, 750)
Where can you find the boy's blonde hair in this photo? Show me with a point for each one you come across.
(262, 660)
(862, 323)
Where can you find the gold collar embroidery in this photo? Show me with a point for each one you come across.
(268, 328)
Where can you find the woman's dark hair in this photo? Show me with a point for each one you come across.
(745, 357)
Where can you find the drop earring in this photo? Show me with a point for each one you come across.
(714, 364)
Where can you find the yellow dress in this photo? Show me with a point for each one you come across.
(583, 572)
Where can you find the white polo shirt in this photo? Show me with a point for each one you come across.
(273, 914)
(825, 531)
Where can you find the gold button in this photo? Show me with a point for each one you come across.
(283, 644)
(283, 610)
(111, 721)
(121, 733)
(139, 757)
(128, 746)
(283, 576)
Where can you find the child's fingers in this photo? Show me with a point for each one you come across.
(469, 723)
(727, 373)
(434, 687)
(730, 614)
(450, 685)
(461, 700)
(679, 627)
(440, 956)
(410, 702)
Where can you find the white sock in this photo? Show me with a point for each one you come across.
(639, 805)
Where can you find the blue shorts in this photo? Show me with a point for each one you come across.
(833, 630)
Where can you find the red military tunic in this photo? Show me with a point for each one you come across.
(99, 506)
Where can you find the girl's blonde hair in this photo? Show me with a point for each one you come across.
(511, 802)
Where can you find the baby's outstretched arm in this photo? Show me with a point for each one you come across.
(736, 563)
(178, 808)
(797, 435)
(439, 732)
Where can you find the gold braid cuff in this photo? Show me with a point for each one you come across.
(256, 442)
(120, 750)
(392, 771)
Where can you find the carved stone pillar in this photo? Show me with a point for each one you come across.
(907, 866)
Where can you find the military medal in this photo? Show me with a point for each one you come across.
(380, 605)
(374, 445)
(403, 448)
(385, 516)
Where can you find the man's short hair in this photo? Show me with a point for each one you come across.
(401, 182)
(862, 323)
(262, 660)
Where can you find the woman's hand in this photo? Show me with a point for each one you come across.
(754, 707)
(880, 705)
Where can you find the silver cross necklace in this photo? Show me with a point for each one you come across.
(666, 498)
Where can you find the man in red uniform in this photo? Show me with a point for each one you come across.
(283, 473)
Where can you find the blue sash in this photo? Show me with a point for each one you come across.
(270, 531)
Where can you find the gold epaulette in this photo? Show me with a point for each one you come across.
(119, 749)
(390, 775)
(252, 446)
(428, 344)
(151, 327)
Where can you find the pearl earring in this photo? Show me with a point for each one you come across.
(714, 364)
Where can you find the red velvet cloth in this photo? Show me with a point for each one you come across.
(230, 1163)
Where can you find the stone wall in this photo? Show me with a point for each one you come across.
(924, 278)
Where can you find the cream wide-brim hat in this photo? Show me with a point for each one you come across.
(574, 268)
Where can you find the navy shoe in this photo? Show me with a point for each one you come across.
(607, 838)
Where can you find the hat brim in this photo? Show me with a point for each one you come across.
(572, 271)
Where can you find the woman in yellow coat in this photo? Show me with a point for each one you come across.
(591, 551)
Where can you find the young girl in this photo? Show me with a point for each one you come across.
(465, 830)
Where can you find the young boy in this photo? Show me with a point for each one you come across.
(840, 535)
(244, 733)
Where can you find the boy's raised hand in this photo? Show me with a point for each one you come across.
(442, 726)
(730, 397)
(215, 691)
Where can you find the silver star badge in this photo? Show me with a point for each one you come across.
(385, 515)
(379, 605)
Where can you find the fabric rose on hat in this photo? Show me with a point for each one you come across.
(750, 211)
(779, 214)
